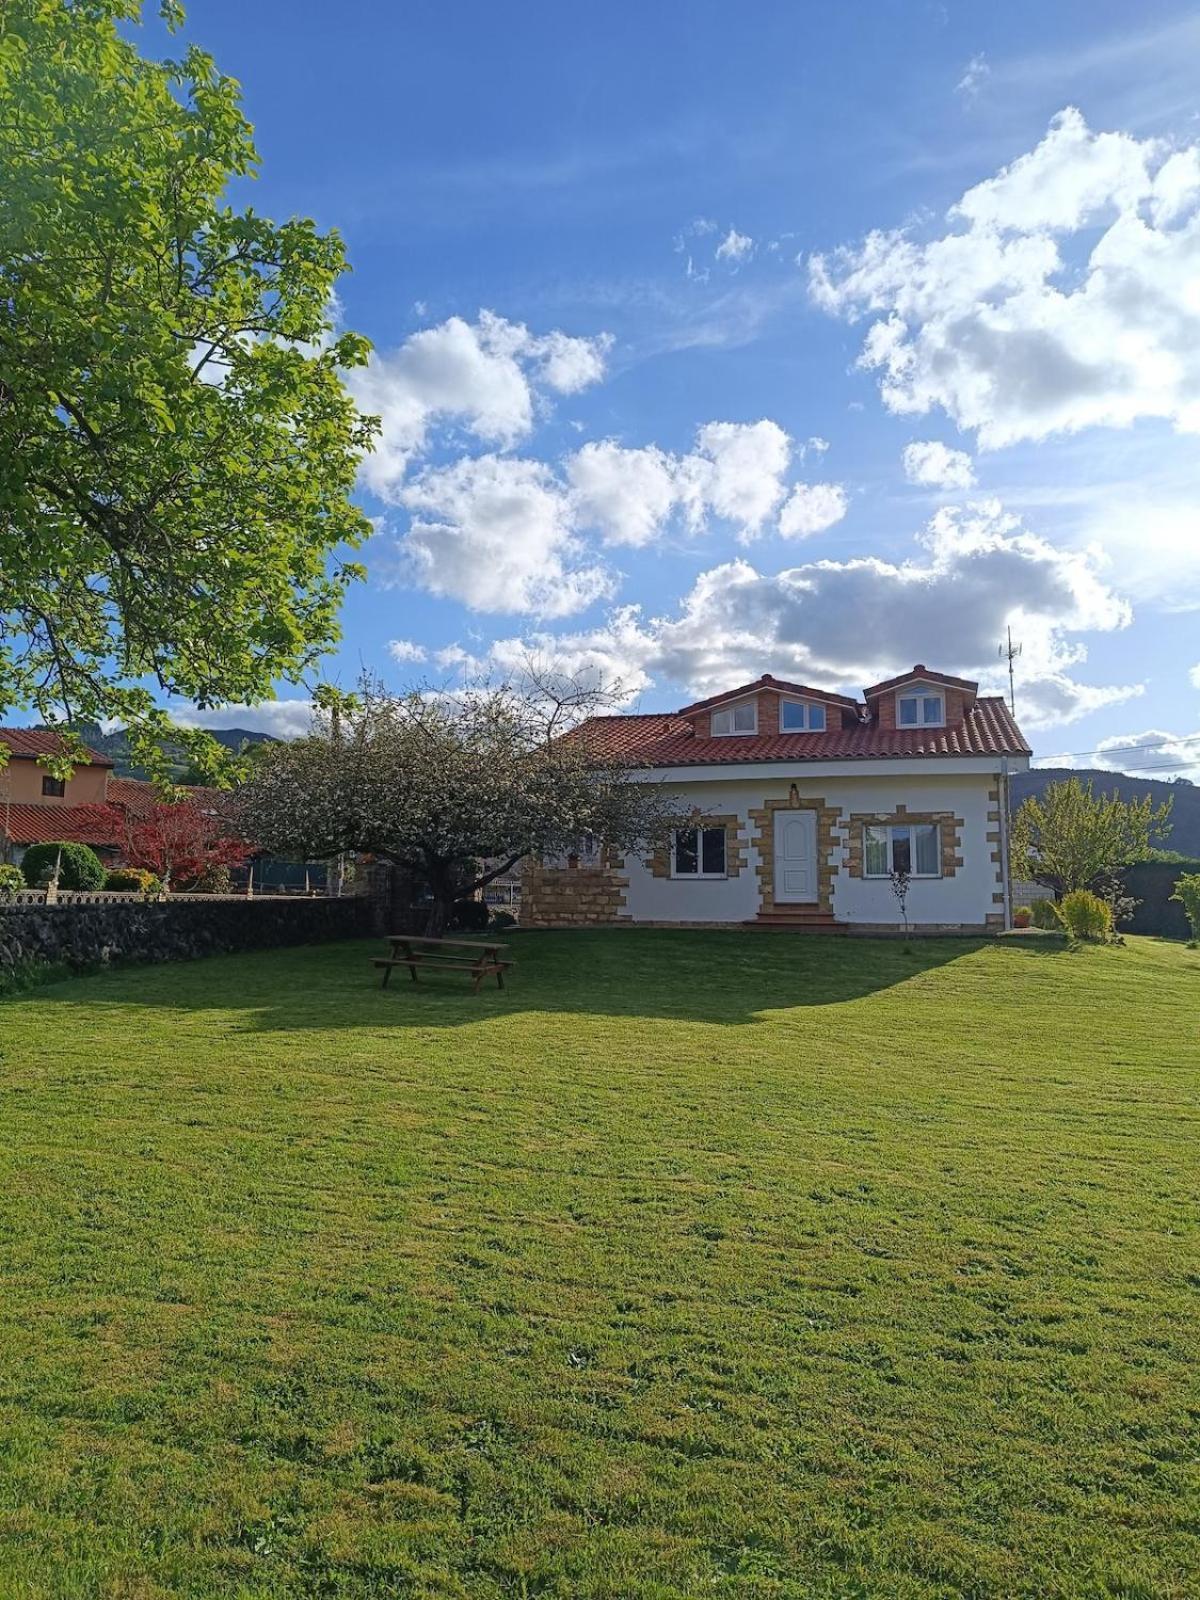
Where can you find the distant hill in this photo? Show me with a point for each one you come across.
(116, 747)
(1185, 813)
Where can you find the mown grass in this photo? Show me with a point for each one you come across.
(693, 1265)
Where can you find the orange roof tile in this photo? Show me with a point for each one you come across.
(30, 743)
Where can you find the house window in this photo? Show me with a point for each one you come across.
(741, 718)
(912, 847)
(55, 788)
(698, 853)
(801, 716)
(920, 711)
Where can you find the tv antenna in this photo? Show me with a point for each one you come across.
(1009, 652)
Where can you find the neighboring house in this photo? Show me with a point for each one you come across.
(36, 808)
(804, 803)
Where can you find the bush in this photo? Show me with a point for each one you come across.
(1022, 917)
(12, 881)
(132, 880)
(1085, 916)
(81, 867)
(1187, 892)
(502, 919)
(213, 880)
(468, 916)
(1045, 916)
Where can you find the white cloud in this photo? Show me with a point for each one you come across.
(815, 446)
(737, 470)
(496, 533)
(811, 508)
(973, 78)
(735, 247)
(1195, 675)
(931, 462)
(1065, 293)
(1152, 752)
(484, 377)
(406, 652)
(853, 622)
(283, 719)
(1153, 543)
(627, 494)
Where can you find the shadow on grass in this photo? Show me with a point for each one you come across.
(687, 976)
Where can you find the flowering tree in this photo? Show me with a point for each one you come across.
(454, 788)
(180, 843)
(1069, 838)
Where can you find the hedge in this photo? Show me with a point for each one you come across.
(1153, 883)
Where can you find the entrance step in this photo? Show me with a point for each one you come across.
(799, 918)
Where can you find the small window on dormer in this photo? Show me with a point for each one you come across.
(920, 710)
(801, 716)
(54, 788)
(742, 718)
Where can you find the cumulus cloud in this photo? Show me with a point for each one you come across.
(811, 508)
(1062, 295)
(1153, 752)
(406, 652)
(1195, 675)
(282, 719)
(931, 463)
(852, 622)
(735, 472)
(497, 534)
(484, 377)
(735, 247)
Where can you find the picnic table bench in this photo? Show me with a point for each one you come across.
(414, 950)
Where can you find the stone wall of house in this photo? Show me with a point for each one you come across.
(572, 896)
(97, 933)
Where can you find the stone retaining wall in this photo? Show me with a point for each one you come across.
(83, 936)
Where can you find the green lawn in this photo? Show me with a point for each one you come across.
(695, 1264)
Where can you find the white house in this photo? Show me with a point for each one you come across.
(805, 804)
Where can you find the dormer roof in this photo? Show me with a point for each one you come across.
(922, 674)
(780, 685)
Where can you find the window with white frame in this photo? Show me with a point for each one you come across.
(698, 853)
(742, 718)
(912, 847)
(801, 716)
(920, 710)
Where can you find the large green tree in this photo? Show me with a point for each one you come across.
(177, 447)
(1069, 838)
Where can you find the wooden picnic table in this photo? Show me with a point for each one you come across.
(414, 950)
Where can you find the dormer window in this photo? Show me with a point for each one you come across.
(920, 711)
(742, 718)
(801, 716)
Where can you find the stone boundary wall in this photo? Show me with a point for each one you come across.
(84, 936)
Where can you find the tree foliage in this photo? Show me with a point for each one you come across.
(177, 447)
(1069, 838)
(181, 843)
(77, 866)
(454, 789)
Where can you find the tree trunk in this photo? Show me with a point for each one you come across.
(439, 916)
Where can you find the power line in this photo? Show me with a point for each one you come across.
(1122, 749)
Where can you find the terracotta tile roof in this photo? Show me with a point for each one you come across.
(132, 794)
(48, 824)
(668, 740)
(34, 742)
(924, 675)
(768, 682)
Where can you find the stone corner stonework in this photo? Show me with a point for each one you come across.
(573, 897)
(828, 844)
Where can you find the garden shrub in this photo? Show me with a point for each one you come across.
(132, 880)
(12, 881)
(1187, 892)
(81, 867)
(502, 919)
(1085, 916)
(469, 916)
(1045, 916)
(1022, 917)
(213, 880)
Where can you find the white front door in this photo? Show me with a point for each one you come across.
(795, 856)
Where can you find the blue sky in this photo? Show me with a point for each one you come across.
(710, 342)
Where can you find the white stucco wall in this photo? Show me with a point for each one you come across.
(964, 898)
